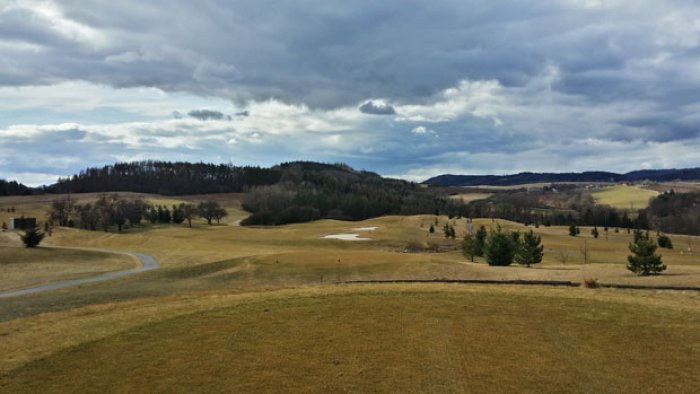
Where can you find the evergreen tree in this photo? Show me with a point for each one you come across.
(637, 234)
(178, 215)
(470, 247)
(643, 260)
(446, 230)
(515, 235)
(480, 236)
(530, 250)
(32, 237)
(135, 211)
(164, 215)
(432, 229)
(572, 230)
(153, 215)
(500, 248)
(664, 241)
(594, 232)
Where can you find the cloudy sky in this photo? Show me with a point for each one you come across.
(405, 88)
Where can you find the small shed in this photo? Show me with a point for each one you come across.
(21, 223)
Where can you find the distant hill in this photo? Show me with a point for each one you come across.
(685, 174)
(183, 178)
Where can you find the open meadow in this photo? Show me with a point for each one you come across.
(269, 308)
(624, 197)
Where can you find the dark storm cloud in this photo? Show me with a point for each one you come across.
(205, 114)
(327, 54)
(377, 108)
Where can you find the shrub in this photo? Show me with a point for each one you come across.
(414, 247)
(664, 242)
(590, 283)
(32, 237)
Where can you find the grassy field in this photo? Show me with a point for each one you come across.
(258, 309)
(21, 267)
(396, 338)
(469, 197)
(624, 196)
(37, 206)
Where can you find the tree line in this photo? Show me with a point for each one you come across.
(13, 188)
(166, 178)
(310, 191)
(304, 191)
(502, 248)
(110, 211)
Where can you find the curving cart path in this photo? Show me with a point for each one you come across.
(147, 263)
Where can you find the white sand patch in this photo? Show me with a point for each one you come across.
(346, 237)
(365, 228)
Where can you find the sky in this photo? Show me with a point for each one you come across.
(408, 89)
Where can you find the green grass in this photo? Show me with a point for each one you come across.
(390, 339)
(624, 197)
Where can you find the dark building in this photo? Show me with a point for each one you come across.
(22, 223)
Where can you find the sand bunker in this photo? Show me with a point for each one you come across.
(364, 229)
(346, 237)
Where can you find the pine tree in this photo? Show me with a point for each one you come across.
(530, 250)
(178, 215)
(153, 215)
(432, 229)
(664, 241)
(594, 232)
(643, 260)
(32, 237)
(572, 230)
(500, 248)
(481, 235)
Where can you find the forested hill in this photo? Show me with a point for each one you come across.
(687, 174)
(286, 193)
(182, 178)
(13, 188)
(168, 178)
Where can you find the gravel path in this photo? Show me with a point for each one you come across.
(147, 263)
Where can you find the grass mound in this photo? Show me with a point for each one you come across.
(389, 339)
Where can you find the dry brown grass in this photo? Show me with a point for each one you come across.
(22, 267)
(202, 315)
(469, 197)
(408, 338)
